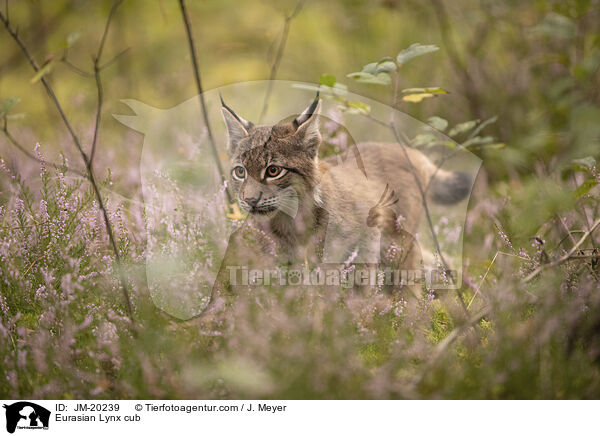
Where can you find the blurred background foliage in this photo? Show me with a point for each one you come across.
(533, 64)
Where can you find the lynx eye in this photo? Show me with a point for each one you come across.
(239, 173)
(274, 172)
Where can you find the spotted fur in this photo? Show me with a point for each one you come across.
(331, 200)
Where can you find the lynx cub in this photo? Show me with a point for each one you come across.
(310, 210)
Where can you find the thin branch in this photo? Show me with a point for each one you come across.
(564, 258)
(98, 80)
(91, 177)
(15, 35)
(396, 79)
(573, 242)
(114, 59)
(102, 67)
(568, 237)
(478, 290)
(569, 233)
(423, 193)
(30, 155)
(584, 256)
(280, 49)
(74, 67)
(190, 38)
(31, 266)
(114, 8)
(99, 102)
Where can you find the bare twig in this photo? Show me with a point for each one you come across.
(84, 73)
(74, 67)
(573, 242)
(423, 193)
(27, 153)
(569, 233)
(396, 80)
(584, 256)
(277, 60)
(31, 265)
(98, 79)
(87, 161)
(113, 9)
(564, 258)
(114, 59)
(99, 102)
(478, 290)
(190, 38)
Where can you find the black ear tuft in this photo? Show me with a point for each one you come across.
(237, 127)
(308, 112)
(245, 123)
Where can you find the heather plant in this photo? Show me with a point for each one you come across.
(56, 276)
(61, 316)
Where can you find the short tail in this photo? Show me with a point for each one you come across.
(440, 185)
(443, 186)
(449, 187)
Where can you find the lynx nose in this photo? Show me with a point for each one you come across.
(253, 201)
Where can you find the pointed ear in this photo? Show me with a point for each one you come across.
(237, 127)
(143, 119)
(307, 126)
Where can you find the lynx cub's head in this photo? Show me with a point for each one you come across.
(272, 168)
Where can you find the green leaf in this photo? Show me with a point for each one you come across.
(8, 104)
(463, 127)
(430, 90)
(357, 107)
(478, 140)
(488, 146)
(556, 26)
(585, 163)
(370, 68)
(71, 39)
(376, 73)
(375, 79)
(424, 140)
(482, 125)
(413, 51)
(335, 91)
(339, 90)
(327, 80)
(585, 187)
(385, 59)
(383, 65)
(386, 65)
(45, 69)
(417, 98)
(437, 123)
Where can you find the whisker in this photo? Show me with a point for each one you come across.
(288, 205)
